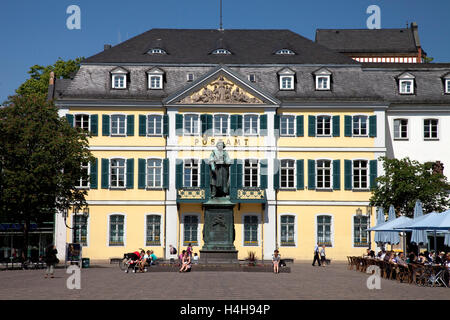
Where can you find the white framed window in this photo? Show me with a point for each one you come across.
(287, 125)
(116, 230)
(154, 125)
(153, 230)
(359, 126)
(157, 51)
(251, 173)
(118, 125)
(190, 229)
(191, 173)
(221, 124)
(360, 175)
(400, 128)
(322, 82)
(323, 126)
(286, 82)
(323, 174)
(191, 124)
(360, 233)
(251, 124)
(430, 129)
(251, 226)
(118, 173)
(252, 77)
(287, 174)
(119, 81)
(447, 85)
(285, 52)
(287, 231)
(221, 51)
(190, 77)
(82, 122)
(324, 234)
(154, 173)
(155, 81)
(84, 183)
(406, 86)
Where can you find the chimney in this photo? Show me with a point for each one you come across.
(52, 79)
(106, 47)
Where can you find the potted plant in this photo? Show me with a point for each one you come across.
(251, 258)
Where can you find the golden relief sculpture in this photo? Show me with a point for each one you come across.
(221, 91)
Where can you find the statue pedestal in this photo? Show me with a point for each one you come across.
(218, 232)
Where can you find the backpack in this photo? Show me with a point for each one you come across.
(173, 251)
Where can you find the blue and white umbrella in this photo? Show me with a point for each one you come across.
(419, 236)
(379, 236)
(392, 237)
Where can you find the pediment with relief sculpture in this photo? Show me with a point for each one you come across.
(221, 91)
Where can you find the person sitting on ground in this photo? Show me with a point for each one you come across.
(186, 262)
(196, 258)
(143, 261)
(276, 261)
(153, 258)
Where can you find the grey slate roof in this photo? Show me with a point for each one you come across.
(195, 46)
(368, 40)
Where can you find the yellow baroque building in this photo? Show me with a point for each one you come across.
(302, 124)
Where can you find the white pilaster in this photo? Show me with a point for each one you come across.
(269, 231)
(60, 236)
(171, 228)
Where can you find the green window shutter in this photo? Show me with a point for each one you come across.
(239, 172)
(311, 126)
(179, 124)
(130, 173)
(179, 174)
(166, 125)
(209, 124)
(142, 125)
(105, 173)
(94, 124)
(105, 125)
(300, 130)
(373, 173)
(276, 174)
(239, 131)
(263, 174)
(130, 125)
(348, 174)
(348, 126)
(203, 122)
(372, 126)
(204, 170)
(276, 125)
(311, 174)
(263, 125)
(69, 118)
(94, 174)
(141, 173)
(300, 174)
(166, 176)
(336, 126)
(336, 174)
(233, 124)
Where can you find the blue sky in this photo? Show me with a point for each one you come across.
(34, 32)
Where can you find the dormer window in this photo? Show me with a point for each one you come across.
(406, 83)
(190, 77)
(286, 78)
(447, 85)
(157, 51)
(119, 78)
(322, 79)
(155, 79)
(221, 51)
(285, 52)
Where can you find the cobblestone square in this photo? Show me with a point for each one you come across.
(304, 282)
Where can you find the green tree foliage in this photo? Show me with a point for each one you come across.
(407, 180)
(40, 159)
(38, 82)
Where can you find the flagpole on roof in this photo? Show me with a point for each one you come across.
(221, 25)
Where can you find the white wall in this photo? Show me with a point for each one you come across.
(416, 147)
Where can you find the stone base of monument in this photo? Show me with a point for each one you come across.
(218, 256)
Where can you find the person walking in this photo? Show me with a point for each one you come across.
(316, 255)
(50, 260)
(322, 256)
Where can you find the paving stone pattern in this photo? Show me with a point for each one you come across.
(303, 282)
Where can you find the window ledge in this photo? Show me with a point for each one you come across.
(324, 189)
(401, 139)
(288, 189)
(361, 189)
(154, 188)
(431, 139)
